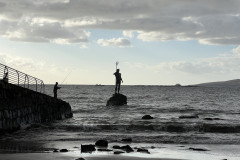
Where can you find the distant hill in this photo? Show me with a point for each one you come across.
(230, 83)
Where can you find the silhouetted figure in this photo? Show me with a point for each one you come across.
(5, 76)
(118, 81)
(55, 89)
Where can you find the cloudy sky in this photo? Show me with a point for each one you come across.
(156, 42)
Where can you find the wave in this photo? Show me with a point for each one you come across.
(75, 97)
(173, 127)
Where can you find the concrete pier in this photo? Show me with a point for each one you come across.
(20, 106)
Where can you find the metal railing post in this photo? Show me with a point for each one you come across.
(18, 76)
(5, 69)
(25, 80)
(28, 81)
(36, 84)
(43, 87)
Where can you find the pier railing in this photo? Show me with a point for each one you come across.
(13, 76)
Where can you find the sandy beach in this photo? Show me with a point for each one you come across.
(50, 156)
(159, 152)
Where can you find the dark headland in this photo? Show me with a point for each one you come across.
(229, 83)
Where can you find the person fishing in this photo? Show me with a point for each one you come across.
(118, 81)
(55, 89)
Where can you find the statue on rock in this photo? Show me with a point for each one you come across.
(117, 99)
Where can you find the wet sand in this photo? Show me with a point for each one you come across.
(161, 152)
(64, 156)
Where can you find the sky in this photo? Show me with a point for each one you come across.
(156, 42)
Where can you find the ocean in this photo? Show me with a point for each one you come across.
(182, 115)
(216, 114)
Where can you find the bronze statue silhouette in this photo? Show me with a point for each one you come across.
(118, 81)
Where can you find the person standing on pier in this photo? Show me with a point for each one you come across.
(118, 81)
(5, 76)
(55, 89)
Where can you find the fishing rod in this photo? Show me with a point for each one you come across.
(66, 77)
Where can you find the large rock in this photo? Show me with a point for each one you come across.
(146, 117)
(102, 143)
(127, 148)
(118, 152)
(63, 150)
(104, 150)
(88, 148)
(198, 149)
(143, 150)
(116, 147)
(80, 159)
(117, 100)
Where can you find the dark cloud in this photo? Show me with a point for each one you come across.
(210, 22)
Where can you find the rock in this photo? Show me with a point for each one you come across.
(63, 150)
(211, 119)
(88, 148)
(181, 146)
(55, 150)
(198, 149)
(147, 117)
(102, 143)
(143, 150)
(80, 159)
(104, 150)
(116, 147)
(118, 152)
(188, 116)
(127, 140)
(117, 100)
(127, 148)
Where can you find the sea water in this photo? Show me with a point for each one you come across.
(215, 111)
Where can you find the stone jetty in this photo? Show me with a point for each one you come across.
(20, 106)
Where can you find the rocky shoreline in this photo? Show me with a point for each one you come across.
(122, 149)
